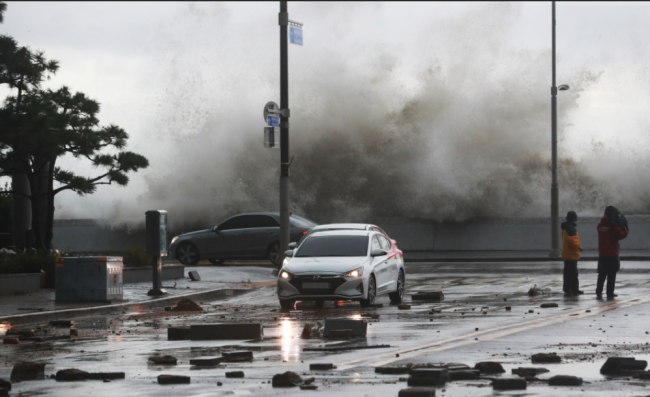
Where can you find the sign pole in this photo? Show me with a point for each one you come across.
(284, 128)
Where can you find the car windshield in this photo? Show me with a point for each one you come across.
(333, 246)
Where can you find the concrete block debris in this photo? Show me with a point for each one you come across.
(546, 358)
(187, 305)
(61, 323)
(614, 365)
(238, 356)
(370, 315)
(70, 375)
(321, 366)
(163, 360)
(489, 367)
(225, 331)
(431, 296)
(565, 380)
(528, 372)
(509, 384)
(641, 375)
(287, 379)
(393, 370)
(173, 379)
(464, 374)
(105, 375)
(74, 332)
(312, 330)
(235, 374)
(404, 307)
(75, 375)
(4, 392)
(207, 361)
(5, 384)
(341, 334)
(178, 333)
(27, 371)
(441, 374)
(20, 333)
(547, 305)
(417, 392)
(194, 275)
(358, 327)
(10, 341)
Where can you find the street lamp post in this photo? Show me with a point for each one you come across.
(555, 205)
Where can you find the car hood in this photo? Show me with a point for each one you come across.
(194, 233)
(324, 265)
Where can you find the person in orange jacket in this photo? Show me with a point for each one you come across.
(612, 227)
(571, 250)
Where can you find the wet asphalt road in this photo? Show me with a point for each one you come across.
(584, 331)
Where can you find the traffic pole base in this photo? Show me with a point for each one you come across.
(156, 292)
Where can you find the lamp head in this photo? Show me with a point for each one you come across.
(563, 87)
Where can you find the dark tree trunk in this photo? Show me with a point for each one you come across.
(21, 210)
(49, 222)
(39, 202)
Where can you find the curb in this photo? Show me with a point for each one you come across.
(106, 309)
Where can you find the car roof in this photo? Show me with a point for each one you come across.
(273, 214)
(339, 226)
(344, 232)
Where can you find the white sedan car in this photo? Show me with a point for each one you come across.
(342, 265)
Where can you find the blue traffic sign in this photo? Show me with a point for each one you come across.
(273, 121)
(295, 35)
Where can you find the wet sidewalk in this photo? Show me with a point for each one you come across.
(511, 256)
(215, 282)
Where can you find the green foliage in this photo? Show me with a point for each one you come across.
(31, 261)
(136, 257)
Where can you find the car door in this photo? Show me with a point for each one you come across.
(260, 232)
(393, 262)
(225, 242)
(380, 266)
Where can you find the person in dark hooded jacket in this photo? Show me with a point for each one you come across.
(571, 250)
(611, 228)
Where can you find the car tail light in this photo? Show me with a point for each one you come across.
(303, 233)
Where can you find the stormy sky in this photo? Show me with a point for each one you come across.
(416, 110)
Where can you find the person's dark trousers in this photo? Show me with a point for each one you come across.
(571, 284)
(611, 281)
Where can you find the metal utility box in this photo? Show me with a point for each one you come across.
(89, 279)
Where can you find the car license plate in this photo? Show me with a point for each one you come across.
(316, 285)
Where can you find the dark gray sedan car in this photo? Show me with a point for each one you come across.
(244, 236)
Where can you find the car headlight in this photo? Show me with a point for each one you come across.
(174, 239)
(354, 273)
(285, 274)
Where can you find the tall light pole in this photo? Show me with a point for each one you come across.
(284, 128)
(555, 205)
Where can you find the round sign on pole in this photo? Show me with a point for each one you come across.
(270, 106)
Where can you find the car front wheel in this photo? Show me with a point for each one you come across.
(398, 295)
(372, 293)
(287, 304)
(188, 254)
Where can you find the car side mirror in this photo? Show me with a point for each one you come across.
(378, 252)
(216, 229)
(288, 253)
(292, 245)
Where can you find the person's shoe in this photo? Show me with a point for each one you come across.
(612, 296)
(568, 293)
(599, 296)
(579, 292)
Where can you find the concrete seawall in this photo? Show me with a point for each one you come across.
(11, 284)
(499, 234)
